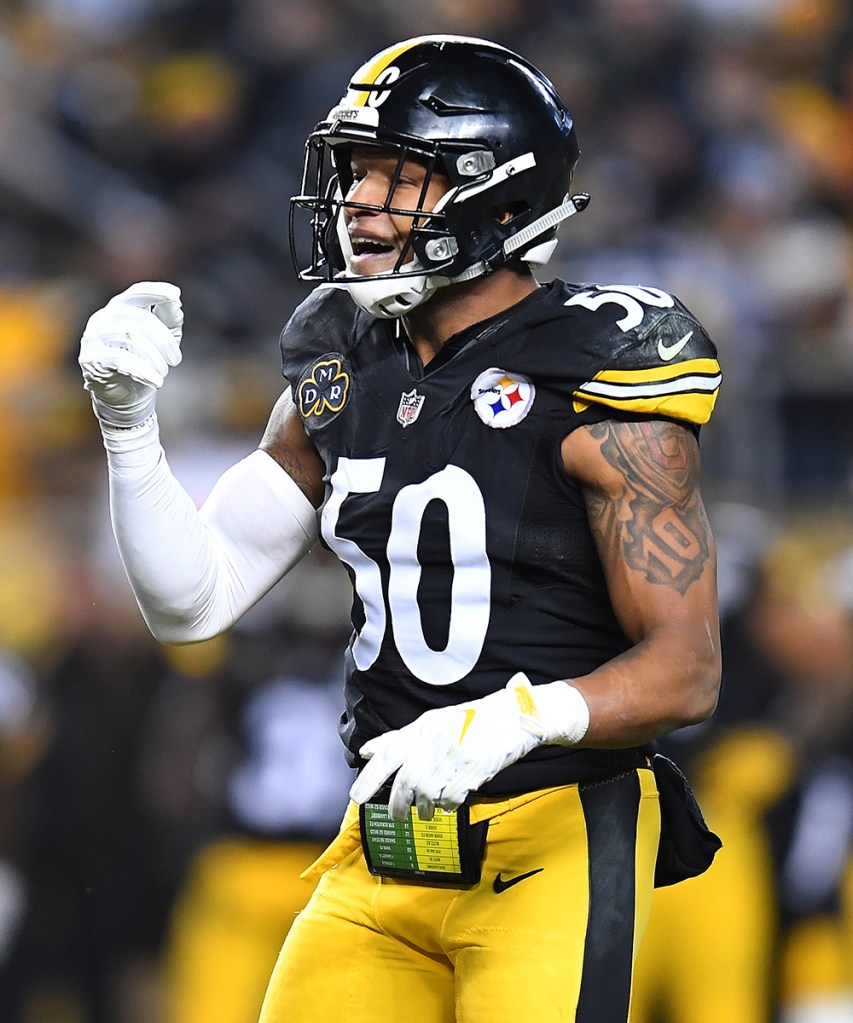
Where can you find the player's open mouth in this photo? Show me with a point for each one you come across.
(370, 247)
(370, 255)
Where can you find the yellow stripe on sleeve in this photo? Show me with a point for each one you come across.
(671, 372)
(686, 391)
(690, 408)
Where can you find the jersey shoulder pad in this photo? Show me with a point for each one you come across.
(324, 323)
(651, 355)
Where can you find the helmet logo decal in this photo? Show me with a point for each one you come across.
(372, 72)
(389, 75)
(502, 399)
(325, 388)
(410, 407)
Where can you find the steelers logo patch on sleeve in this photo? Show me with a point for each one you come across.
(324, 388)
(502, 399)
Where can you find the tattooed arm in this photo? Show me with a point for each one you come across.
(640, 483)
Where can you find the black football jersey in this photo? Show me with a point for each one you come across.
(468, 547)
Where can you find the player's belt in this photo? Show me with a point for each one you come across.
(448, 850)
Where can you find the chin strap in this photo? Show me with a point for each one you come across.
(537, 255)
(568, 208)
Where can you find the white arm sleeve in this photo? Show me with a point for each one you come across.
(195, 572)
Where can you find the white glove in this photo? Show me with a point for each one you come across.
(127, 349)
(449, 752)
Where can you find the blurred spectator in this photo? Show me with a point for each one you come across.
(24, 734)
(269, 768)
(774, 773)
(98, 898)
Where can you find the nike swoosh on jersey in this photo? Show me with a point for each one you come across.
(500, 884)
(667, 352)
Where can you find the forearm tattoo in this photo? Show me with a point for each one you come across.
(657, 523)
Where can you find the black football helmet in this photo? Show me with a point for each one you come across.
(483, 116)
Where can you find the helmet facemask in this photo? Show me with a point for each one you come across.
(426, 259)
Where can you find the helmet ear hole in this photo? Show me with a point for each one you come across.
(505, 213)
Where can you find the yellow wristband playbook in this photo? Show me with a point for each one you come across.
(446, 850)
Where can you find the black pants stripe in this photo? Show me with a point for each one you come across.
(611, 811)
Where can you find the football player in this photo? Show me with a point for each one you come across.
(509, 472)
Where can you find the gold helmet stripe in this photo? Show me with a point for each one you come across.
(369, 72)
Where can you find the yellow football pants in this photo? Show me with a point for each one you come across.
(557, 946)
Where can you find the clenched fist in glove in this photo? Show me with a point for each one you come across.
(127, 349)
(447, 753)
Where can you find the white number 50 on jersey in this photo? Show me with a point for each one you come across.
(470, 594)
(632, 299)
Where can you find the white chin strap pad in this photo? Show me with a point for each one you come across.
(389, 298)
(385, 298)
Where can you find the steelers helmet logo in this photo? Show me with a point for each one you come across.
(324, 388)
(502, 399)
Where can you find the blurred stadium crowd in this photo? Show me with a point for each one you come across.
(156, 804)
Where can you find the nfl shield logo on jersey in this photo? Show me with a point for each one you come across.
(502, 399)
(410, 407)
